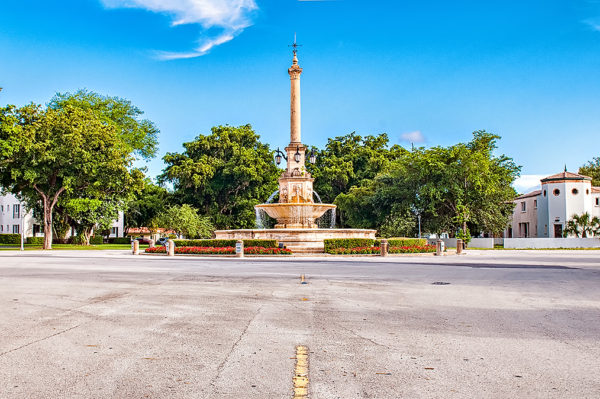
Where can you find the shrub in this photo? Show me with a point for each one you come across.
(333, 243)
(412, 249)
(119, 240)
(96, 240)
(35, 240)
(79, 239)
(404, 242)
(10, 239)
(225, 243)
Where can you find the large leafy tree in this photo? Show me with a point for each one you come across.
(68, 150)
(458, 187)
(592, 169)
(139, 135)
(348, 161)
(223, 174)
(146, 205)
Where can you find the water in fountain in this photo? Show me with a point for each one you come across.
(332, 223)
(318, 197)
(271, 197)
(259, 219)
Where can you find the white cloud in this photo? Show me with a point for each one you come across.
(231, 17)
(527, 183)
(413, 137)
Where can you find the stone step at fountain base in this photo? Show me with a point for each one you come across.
(304, 249)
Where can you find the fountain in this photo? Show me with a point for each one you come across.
(296, 212)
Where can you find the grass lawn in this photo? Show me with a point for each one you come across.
(70, 247)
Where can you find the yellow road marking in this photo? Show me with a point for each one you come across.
(301, 373)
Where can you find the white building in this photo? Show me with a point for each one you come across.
(545, 213)
(13, 219)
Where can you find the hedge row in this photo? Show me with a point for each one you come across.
(119, 240)
(35, 240)
(412, 249)
(333, 243)
(97, 240)
(404, 242)
(10, 239)
(226, 243)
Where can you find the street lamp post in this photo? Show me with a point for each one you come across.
(22, 214)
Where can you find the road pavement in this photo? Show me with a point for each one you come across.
(490, 324)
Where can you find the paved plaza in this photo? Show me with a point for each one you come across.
(490, 324)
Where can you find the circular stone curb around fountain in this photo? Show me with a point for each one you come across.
(297, 240)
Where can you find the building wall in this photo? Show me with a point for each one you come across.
(9, 219)
(14, 216)
(543, 223)
(528, 217)
(566, 199)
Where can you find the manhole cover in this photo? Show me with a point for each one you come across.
(440, 283)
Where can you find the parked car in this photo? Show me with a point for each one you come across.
(142, 240)
(162, 241)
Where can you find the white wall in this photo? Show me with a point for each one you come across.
(524, 243)
(475, 242)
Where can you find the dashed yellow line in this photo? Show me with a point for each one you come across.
(301, 373)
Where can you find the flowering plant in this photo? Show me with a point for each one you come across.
(221, 250)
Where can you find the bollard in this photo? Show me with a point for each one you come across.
(239, 249)
(136, 247)
(171, 248)
(438, 248)
(459, 246)
(384, 246)
(151, 244)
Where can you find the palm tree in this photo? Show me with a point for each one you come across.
(583, 225)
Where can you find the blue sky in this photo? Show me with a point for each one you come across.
(437, 70)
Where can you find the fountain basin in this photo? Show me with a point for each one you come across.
(298, 240)
(295, 215)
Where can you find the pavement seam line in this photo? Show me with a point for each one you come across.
(300, 378)
(38, 340)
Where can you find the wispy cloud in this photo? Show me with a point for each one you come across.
(229, 17)
(413, 137)
(594, 24)
(526, 183)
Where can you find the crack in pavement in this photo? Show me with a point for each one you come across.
(38, 340)
(235, 344)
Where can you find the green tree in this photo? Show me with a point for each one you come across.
(350, 160)
(47, 153)
(149, 202)
(592, 169)
(464, 186)
(224, 174)
(186, 221)
(92, 214)
(140, 135)
(583, 225)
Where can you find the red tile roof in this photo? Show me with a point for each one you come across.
(529, 195)
(145, 230)
(566, 176)
(596, 189)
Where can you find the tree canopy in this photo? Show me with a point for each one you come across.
(450, 187)
(223, 174)
(78, 153)
(592, 169)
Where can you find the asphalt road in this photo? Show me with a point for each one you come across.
(496, 324)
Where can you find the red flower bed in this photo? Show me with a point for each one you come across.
(221, 251)
(376, 250)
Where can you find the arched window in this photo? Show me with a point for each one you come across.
(556, 192)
